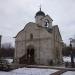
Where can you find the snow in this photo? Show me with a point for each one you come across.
(29, 71)
(9, 60)
(69, 73)
(67, 59)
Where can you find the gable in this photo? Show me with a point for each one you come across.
(35, 30)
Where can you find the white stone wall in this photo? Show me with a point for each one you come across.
(45, 51)
(38, 20)
(57, 41)
(43, 42)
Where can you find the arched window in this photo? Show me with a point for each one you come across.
(31, 36)
(46, 23)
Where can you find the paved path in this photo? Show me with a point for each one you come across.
(59, 72)
(50, 67)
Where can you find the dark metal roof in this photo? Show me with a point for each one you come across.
(40, 13)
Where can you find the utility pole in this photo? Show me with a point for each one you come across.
(72, 58)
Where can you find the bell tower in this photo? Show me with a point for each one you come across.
(43, 20)
(39, 16)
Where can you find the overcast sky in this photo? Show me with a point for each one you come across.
(14, 14)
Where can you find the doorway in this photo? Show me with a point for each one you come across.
(30, 56)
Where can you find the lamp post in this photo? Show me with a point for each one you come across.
(0, 41)
(72, 60)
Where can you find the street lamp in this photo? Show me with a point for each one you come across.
(72, 61)
(0, 41)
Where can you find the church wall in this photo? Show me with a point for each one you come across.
(20, 45)
(57, 41)
(44, 42)
(45, 51)
(20, 48)
(44, 33)
(36, 45)
(37, 51)
(39, 20)
(32, 29)
(41, 41)
(20, 36)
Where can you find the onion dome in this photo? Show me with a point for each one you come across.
(40, 13)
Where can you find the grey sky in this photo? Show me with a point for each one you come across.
(14, 14)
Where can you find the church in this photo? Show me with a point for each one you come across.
(39, 42)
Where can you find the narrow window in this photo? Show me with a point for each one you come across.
(31, 36)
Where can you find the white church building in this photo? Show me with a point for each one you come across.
(39, 42)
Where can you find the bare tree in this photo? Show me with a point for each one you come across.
(7, 45)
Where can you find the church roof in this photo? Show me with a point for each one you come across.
(40, 13)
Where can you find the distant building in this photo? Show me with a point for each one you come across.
(39, 42)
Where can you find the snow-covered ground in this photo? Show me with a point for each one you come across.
(69, 73)
(37, 71)
(9, 60)
(34, 71)
(29, 71)
(67, 59)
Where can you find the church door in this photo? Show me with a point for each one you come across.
(30, 56)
